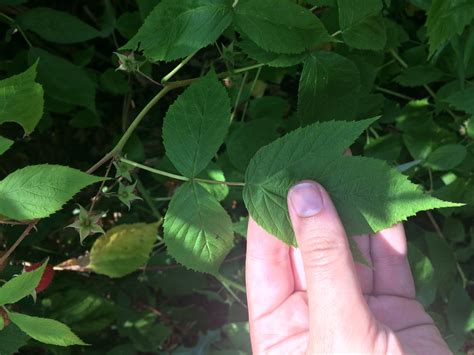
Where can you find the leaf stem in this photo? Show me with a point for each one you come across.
(337, 33)
(239, 95)
(427, 88)
(12, 23)
(168, 76)
(394, 93)
(175, 176)
(226, 281)
(147, 198)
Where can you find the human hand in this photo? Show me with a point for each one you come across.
(315, 300)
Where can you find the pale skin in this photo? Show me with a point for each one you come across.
(316, 300)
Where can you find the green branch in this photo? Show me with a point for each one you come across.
(177, 177)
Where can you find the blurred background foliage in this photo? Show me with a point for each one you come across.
(417, 80)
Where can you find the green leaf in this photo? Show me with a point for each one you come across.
(44, 330)
(197, 230)
(446, 157)
(123, 249)
(196, 124)
(423, 275)
(37, 191)
(329, 88)
(463, 99)
(248, 138)
(175, 29)
(361, 24)
(84, 311)
(278, 60)
(460, 311)
(280, 26)
(447, 19)
(21, 100)
(419, 75)
(5, 144)
(63, 80)
(368, 195)
(444, 262)
(21, 286)
(56, 26)
(12, 339)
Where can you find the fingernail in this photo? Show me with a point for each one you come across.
(306, 199)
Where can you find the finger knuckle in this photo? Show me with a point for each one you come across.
(323, 250)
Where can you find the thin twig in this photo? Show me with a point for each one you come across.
(18, 241)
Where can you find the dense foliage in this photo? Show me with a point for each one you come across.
(136, 136)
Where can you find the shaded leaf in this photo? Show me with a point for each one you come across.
(175, 29)
(279, 26)
(269, 58)
(419, 75)
(361, 24)
(198, 231)
(446, 157)
(446, 19)
(63, 80)
(12, 339)
(329, 87)
(196, 124)
(463, 99)
(56, 26)
(423, 275)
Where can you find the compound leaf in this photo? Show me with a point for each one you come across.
(175, 29)
(56, 26)
(198, 231)
(329, 88)
(280, 26)
(196, 124)
(21, 100)
(367, 193)
(123, 249)
(45, 330)
(37, 191)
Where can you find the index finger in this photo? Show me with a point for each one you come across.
(269, 275)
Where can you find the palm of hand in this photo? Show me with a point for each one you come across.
(279, 310)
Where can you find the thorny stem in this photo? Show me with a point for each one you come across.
(177, 177)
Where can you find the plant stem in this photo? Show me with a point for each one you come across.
(442, 236)
(147, 198)
(168, 76)
(394, 93)
(239, 95)
(12, 23)
(177, 177)
(18, 241)
(427, 88)
(337, 33)
(225, 281)
(181, 83)
(252, 88)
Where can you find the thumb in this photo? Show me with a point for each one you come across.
(338, 311)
